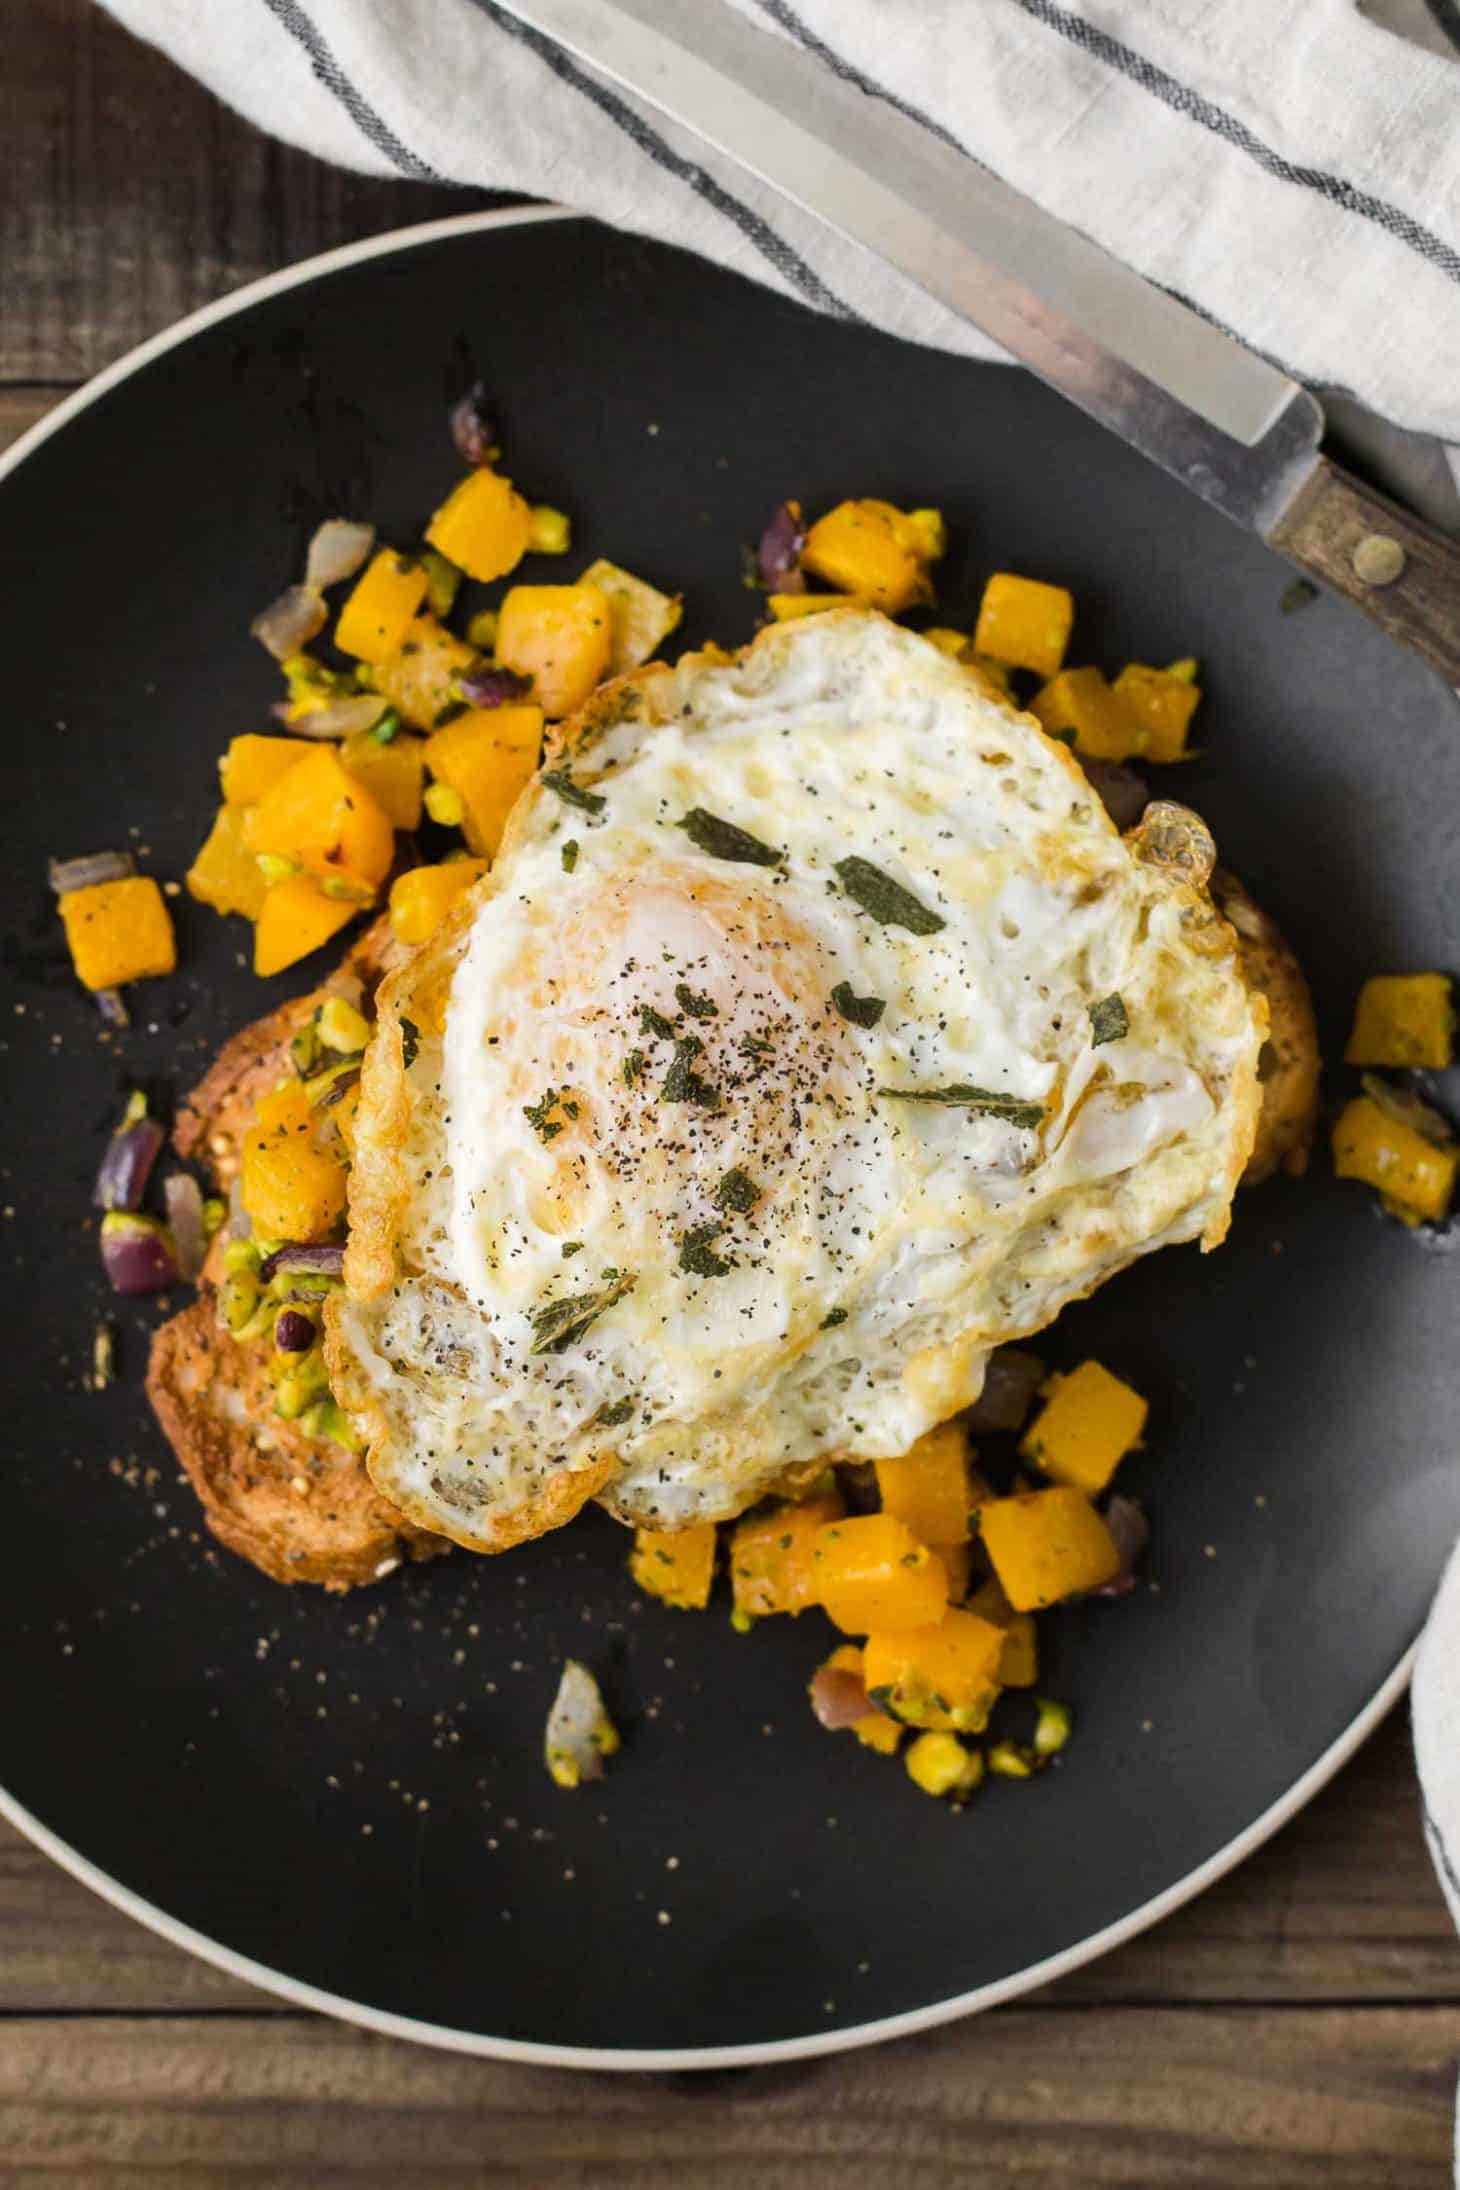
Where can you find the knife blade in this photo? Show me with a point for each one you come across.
(1228, 424)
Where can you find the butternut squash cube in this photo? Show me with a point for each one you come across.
(1161, 703)
(874, 550)
(871, 1572)
(421, 898)
(320, 817)
(292, 1188)
(1414, 1174)
(678, 1566)
(641, 617)
(1088, 1423)
(377, 615)
(771, 1566)
(253, 765)
(789, 608)
(944, 1675)
(392, 773)
(486, 756)
(958, 1563)
(1019, 1658)
(1404, 1019)
(1047, 1545)
(483, 526)
(225, 873)
(927, 1486)
(420, 679)
(1079, 703)
(294, 919)
(118, 931)
(561, 637)
(1024, 623)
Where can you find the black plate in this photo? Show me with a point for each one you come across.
(350, 1794)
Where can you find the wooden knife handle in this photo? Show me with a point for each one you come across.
(1401, 572)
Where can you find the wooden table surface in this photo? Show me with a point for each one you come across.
(1300, 2025)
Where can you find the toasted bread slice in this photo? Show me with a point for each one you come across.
(301, 1508)
(1289, 1065)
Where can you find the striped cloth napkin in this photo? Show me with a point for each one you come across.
(1293, 171)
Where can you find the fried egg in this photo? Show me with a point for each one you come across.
(814, 1033)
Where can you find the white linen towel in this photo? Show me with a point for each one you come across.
(1293, 171)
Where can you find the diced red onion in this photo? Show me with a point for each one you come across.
(1010, 1383)
(1124, 795)
(486, 686)
(1127, 1523)
(289, 623)
(337, 550)
(92, 867)
(471, 426)
(113, 1007)
(341, 718)
(293, 1331)
(778, 557)
(184, 1198)
(340, 1086)
(137, 1253)
(1407, 1108)
(291, 1259)
(127, 1165)
(838, 1697)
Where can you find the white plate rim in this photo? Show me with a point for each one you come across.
(627, 2059)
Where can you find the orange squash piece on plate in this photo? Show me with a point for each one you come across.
(871, 1572)
(294, 919)
(486, 756)
(118, 931)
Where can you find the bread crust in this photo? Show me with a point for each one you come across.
(1289, 1066)
(301, 1508)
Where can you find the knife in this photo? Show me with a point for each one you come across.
(1228, 424)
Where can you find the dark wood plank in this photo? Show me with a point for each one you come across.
(22, 407)
(131, 195)
(1143, 2100)
(1342, 1906)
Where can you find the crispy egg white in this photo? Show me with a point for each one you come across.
(647, 1215)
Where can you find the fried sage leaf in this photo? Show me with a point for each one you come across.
(1109, 1021)
(697, 1254)
(559, 1324)
(887, 901)
(573, 794)
(720, 839)
(987, 1101)
(860, 1011)
(682, 1084)
(737, 1190)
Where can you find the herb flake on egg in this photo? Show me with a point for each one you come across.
(720, 839)
(887, 901)
(858, 1011)
(1109, 1021)
(559, 1324)
(573, 794)
(682, 1084)
(738, 1191)
(986, 1101)
(697, 1254)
